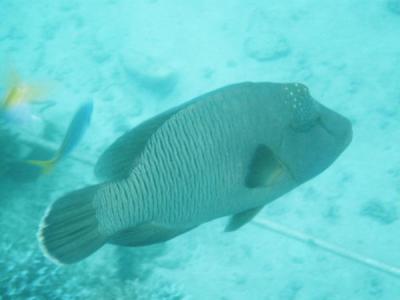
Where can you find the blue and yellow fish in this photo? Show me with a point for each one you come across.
(75, 132)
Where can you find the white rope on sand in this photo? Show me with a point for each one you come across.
(331, 248)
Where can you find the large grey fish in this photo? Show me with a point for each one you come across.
(226, 153)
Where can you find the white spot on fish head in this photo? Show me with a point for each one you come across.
(303, 107)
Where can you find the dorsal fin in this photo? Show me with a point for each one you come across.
(120, 158)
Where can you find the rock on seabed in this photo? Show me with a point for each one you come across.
(149, 73)
(263, 42)
(268, 46)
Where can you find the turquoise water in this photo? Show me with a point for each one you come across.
(335, 237)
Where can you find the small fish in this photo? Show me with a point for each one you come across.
(226, 153)
(75, 132)
(19, 94)
(15, 106)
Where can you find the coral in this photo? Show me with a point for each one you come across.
(29, 275)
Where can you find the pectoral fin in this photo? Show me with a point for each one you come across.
(146, 234)
(240, 219)
(265, 169)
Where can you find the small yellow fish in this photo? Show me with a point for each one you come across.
(18, 95)
(14, 108)
(20, 92)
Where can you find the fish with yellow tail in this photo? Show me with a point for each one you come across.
(229, 152)
(15, 106)
(76, 129)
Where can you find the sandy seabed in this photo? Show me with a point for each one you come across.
(138, 58)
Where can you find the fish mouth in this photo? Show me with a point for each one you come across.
(349, 136)
(338, 135)
(336, 125)
(342, 134)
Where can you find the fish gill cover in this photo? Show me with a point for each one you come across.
(335, 237)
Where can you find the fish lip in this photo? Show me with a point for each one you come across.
(344, 143)
(348, 137)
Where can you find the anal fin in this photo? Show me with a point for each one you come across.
(146, 234)
(240, 219)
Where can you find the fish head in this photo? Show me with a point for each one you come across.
(313, 137)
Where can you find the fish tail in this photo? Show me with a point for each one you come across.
(69, 231)
(46, 166)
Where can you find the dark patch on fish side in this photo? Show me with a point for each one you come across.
(265, 168)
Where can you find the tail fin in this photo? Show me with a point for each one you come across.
(46, 166)
(69, 231)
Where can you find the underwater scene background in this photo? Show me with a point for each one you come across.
(335, 237)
